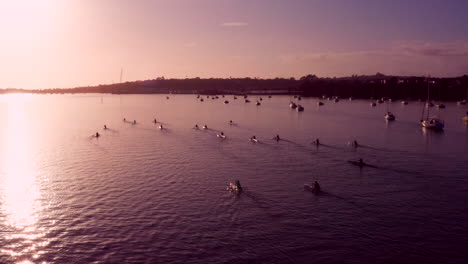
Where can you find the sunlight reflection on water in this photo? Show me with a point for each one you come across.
(20, 200)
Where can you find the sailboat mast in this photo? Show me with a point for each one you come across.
(428, 92)
(425, 104)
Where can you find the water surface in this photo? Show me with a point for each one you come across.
(138, 194)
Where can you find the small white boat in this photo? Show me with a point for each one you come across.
(433, 123)
(389, 116)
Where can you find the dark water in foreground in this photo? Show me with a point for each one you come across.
(141, 195)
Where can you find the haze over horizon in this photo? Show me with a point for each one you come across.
(53, 43)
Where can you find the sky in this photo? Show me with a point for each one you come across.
(69, 43)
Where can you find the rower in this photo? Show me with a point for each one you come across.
(317, 142)
(124, 119)
(155, 121)
(222, 134)
(97, 134)
(230, 122)
(316, 187)
(134, 122)
(355, 144)
(239, 187)
(253, 138)
(205, 127)
(105, 127)
(361, 162)
(160, 126)
(277, 138)
(196, 126)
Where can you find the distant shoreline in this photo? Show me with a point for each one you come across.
(359, 87)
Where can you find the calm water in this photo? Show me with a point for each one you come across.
(139, 194)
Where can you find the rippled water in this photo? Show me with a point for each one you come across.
(138, 194)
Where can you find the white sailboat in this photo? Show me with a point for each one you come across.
(434, 122)
(389, 116)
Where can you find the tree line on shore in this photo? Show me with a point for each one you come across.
(366, 86)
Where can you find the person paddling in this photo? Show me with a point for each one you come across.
(239, 187)
(316, 187)
(361, 162)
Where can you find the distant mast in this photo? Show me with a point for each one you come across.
(121, 74)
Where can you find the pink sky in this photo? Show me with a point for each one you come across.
(54, 43)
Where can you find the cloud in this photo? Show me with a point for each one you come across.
(234, 24)
(456, 48)
(401, 58)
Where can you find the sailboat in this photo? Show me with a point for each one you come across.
(433, 123)
(389, 116)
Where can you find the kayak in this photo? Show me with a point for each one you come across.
(310, 188)
(254, 140)
(357, 163)
(221, 136)
(233, 188)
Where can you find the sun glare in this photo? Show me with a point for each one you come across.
(20, 199)
(25, 17)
